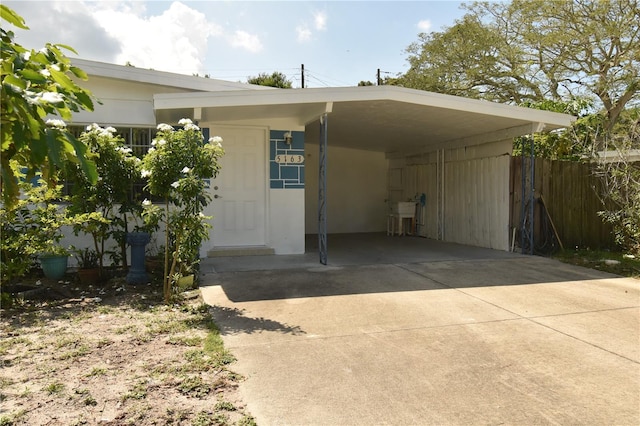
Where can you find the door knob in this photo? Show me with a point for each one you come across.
(217, 196)
(215, 187)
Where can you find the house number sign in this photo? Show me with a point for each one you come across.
(289, 159)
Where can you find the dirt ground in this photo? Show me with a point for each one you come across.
(113, 354)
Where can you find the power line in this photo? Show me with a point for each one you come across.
(334, 81)
(303, 76)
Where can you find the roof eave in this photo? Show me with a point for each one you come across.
(551, 120)
(162, 78)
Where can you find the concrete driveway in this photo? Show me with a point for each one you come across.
(486, 338)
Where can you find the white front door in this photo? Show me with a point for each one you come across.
(238, 205)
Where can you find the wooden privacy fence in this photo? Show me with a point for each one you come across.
(567, 190)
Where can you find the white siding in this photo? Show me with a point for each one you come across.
(475, 194)
(124, 103)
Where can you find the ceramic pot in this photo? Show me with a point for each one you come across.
(54, 266)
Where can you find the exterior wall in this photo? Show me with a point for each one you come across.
(129, 103)
(286, 193)
(124, 103)
(356, 190)
(467, 197)
(284, 182)
(286, 225)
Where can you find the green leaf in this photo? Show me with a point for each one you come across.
(14, 81)
(54, 147)
(65, 113)
(63, 80)
(79, 73)
(12, 17)
(33, 76)
(85, 100)
(39, 57)
(87, 165)
(64, 46)
(39, 149)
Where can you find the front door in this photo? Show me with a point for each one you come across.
(238, 205)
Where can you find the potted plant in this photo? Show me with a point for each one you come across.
(40, 220)
(54, 263)
(88, 265)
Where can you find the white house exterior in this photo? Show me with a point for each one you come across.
(384, 143)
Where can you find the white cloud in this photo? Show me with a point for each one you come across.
(90, 40)
(424, 25)
(320, 20)
(246, 41)
(175, 40)
(304, 33)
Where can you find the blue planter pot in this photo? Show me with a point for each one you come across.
(137, 273)
(53, 266)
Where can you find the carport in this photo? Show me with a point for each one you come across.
(455, 150)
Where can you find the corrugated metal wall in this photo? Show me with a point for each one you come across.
(467, 193)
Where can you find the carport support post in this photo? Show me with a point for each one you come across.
(528, 192)
(322, 191)
(527, 171)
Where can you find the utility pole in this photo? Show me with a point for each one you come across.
(302, 68)
(379, 79)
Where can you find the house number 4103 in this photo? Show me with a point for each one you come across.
(290, 159)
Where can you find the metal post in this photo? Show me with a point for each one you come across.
(528, 195)
(523, 193)
(532, 191)
(322, 192)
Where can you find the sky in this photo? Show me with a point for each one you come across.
(340, 43)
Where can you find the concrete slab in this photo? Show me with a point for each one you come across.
(357, 249)
(483, 340)
(507, 372)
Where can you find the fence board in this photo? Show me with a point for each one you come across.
(572, 203)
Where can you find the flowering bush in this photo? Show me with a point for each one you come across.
(176, 167)
(117, 169)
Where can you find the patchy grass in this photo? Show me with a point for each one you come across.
(116, 357)
(54, 388)
(613, 262)
(195, 387)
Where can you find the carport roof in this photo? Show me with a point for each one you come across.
(379, 118)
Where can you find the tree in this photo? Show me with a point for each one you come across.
(530, 51)
(276, 79)
(619, 188)
(575, 144)
(176, 168)
(37, 84)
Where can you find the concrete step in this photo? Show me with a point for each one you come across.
(241, 251)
